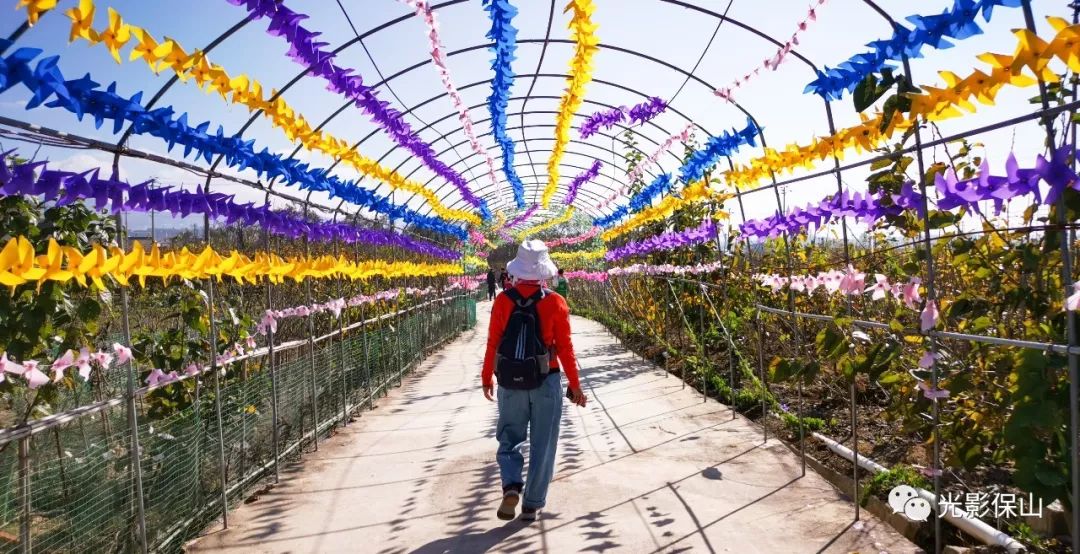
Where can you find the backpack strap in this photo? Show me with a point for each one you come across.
(522, 302)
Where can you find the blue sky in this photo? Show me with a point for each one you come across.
(662, 30)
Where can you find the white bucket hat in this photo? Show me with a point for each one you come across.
(533, 263)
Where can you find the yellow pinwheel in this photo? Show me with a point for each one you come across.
(145, 49)
(172, 56)
(82, 21)
(116, 35)
(35, 9)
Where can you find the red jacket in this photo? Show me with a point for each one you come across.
(554, 331)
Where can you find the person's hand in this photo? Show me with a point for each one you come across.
(489, 392)
(578, 397)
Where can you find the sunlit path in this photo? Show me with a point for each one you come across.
(646, 467)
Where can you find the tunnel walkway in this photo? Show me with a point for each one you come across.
(646, 467)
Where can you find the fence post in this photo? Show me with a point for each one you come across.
(273, 366)
(367, 359)
(1070, 315)
(311, 344)
(25, 538)
(216, 376)
(132, 411)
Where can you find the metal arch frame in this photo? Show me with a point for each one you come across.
(602, 46)
(409, 109)
(520, 113)
(561, 187)
(606, 149)
(489, 193)
(547, 40)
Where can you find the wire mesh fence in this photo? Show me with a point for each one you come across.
(68, 486)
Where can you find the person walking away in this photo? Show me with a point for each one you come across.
(504, 279)
(491, 283)
(562, 285)
(528, 348)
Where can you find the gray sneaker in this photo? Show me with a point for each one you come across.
(508, 505)
(529, 514)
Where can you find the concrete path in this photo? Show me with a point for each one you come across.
(646, 467)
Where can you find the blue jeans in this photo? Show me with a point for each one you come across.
(534, 413)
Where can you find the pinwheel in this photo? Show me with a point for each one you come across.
(84, 96)
(635, 173)
(522, 217)
(667, 269)
(773, 63)
(566, 241)
(337, 305)
(581, 179)
(563, 217)
(597, 276)
(438, 57)
(35, 8)
(693, 169)
(693, 194)
(214, 78)
(577, 258)
(956, 23)
(935, 104)
(18, 266)
(583, 33)
(1055, 171)
(65, 187)
(638, 114)
(704, 159)
(306, 50)
(116, 35)
(667, 241)
(504, 36)
(82, 20)
(929, 316)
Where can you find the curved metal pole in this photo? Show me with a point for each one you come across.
(409, 109)
(487, 190)
(498, 153)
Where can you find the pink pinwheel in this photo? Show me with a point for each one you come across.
(250, 342)
(880, 288)
(34, 376)
(929, 316)
(268, 323)
(911, 295)
(10, 366)
(853, 281)
(83, 363)
(155, 377)
(62, 363)
(103, 359)
(926, 361)
(797, 284)
(1072, 303)
(192, 369)
(931, 393)
(123, 353)
(170, 377)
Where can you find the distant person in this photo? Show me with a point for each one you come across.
(528, 337)
(562, 285)
(504, 279)
(491, 283)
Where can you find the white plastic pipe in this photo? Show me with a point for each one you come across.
(971, 525)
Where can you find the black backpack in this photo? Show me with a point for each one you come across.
(521, 362)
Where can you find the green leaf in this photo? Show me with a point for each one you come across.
(1050, 476)
(865, 93)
